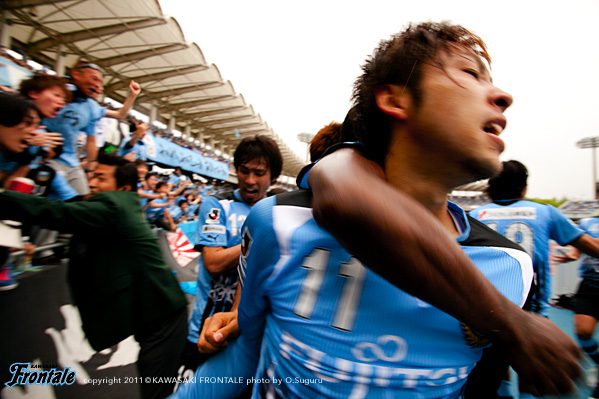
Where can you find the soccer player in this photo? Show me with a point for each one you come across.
(258, 163)
(331, 328)
(586, 305)
(531, 225)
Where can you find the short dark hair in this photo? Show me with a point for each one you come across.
(125, 172)
(160, 184)
(15, 109)
(39, 83)
(400, 61)
(182, 201)
(259, 147)
(510, 183)
(150, 174)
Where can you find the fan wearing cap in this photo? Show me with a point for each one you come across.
(81, 115)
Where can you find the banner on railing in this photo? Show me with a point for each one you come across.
(166, 152)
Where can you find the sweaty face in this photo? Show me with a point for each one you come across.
(254, 180)
(14, 139)
(103, 179)
(460, 116)
(88, 81)
(49, 101)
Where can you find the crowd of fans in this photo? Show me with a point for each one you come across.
(169, 197)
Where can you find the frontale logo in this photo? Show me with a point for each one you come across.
(23, 375)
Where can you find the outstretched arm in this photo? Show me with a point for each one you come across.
(121, 113)
(385, 229)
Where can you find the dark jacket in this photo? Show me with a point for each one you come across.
(117, 275)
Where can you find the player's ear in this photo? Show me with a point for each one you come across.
(393, 100)
(126, 187)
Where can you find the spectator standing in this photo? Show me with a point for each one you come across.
(177, 178)
(81, 115)
(19, 120)
(135, 143)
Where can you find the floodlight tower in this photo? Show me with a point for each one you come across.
(591, 142)
(306, 138)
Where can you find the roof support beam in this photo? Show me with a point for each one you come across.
(140, 55)
(85, 34)
(221, 121)
(224, 110)
(182, 90)
(231, 129)
(16, 4)
(195, 103)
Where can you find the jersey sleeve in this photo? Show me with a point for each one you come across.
(212, 225)
(60, 189)
(96, 113)
(260, 254)
(590, 226)
(562, 229)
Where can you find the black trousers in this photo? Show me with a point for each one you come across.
(161, 343)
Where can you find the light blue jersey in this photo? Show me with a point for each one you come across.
(81, 115)
(153, 214)
(139, 148)
(315, 323)
(219, 225)
(531, 225)
(589, 270)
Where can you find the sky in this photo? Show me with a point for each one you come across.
(295, 63)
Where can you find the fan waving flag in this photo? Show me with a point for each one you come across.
(181, 248)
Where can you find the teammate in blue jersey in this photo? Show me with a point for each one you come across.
(258, 164)
(81, 115)
(329, 327)
(531, 225)
(586, 305)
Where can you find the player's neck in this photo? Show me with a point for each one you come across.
(416, 175)
(430, 193)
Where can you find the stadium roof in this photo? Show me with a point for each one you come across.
(133, 39)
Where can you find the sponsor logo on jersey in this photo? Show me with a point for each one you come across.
(508, 213)
(213, 215)
(214, 229)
